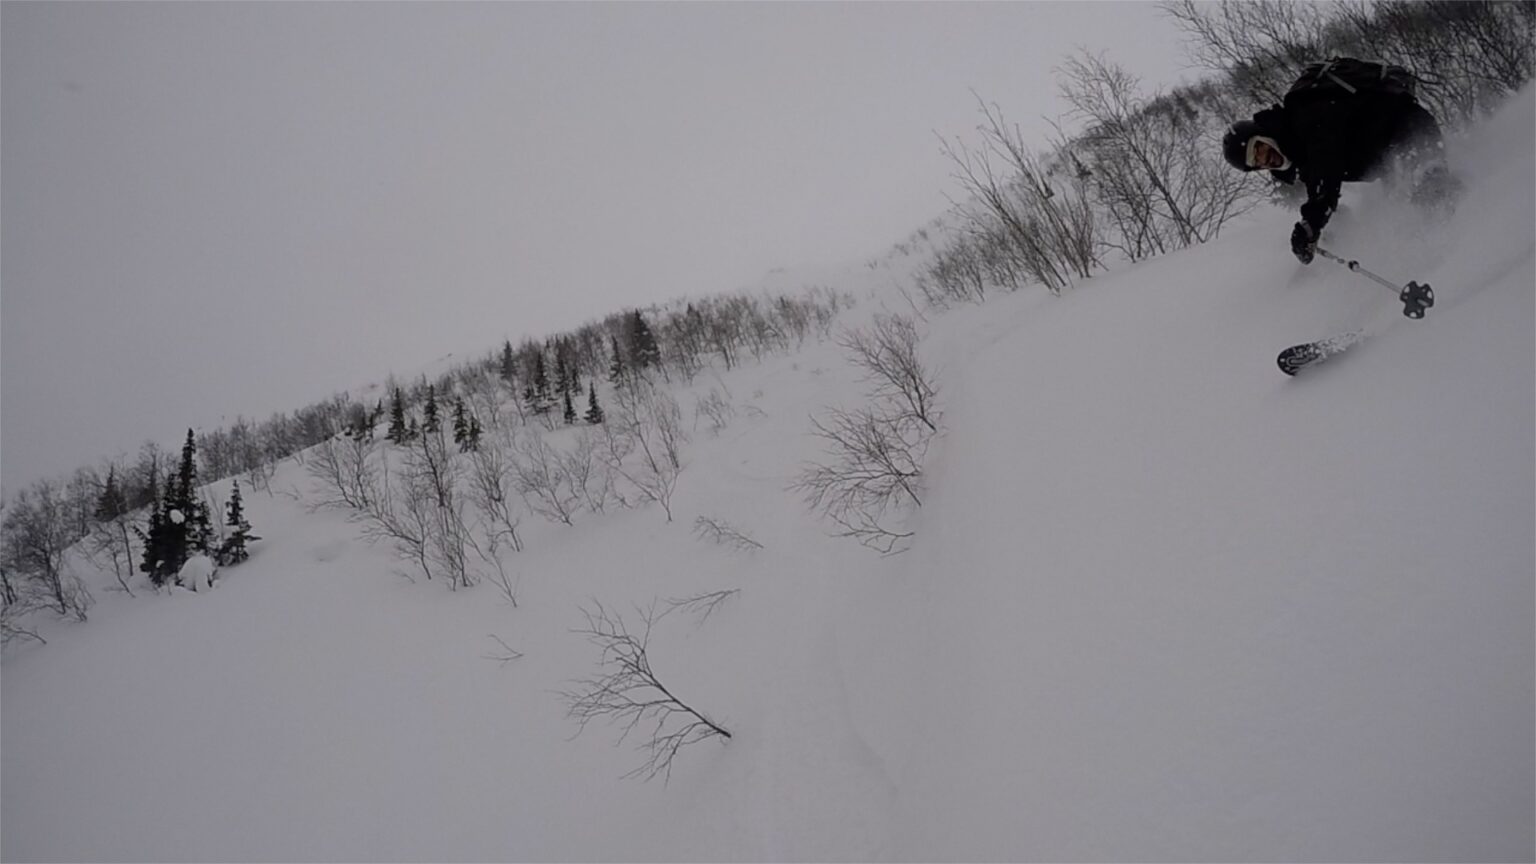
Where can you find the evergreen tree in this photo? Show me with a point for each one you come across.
(473, 441)
(570, 410)
(398, 433)
(179, 501)
(233, 550)
(562, 370)
(154, 539)
(178, 522)
(508, 365)
(647, 352)
(430, 423)
(188, 528)
(541, 395)
(460, 425)
(112, 503)
(594, 410)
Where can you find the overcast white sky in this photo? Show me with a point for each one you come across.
(212, 209)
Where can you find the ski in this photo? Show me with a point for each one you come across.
(1416, 298)
(1308, 354)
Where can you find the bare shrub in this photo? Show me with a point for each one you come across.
(112, 539)
(15, 612)
(503, 653)
(400, 514)
(716, 408)
(540, 478)
(345, 468)
(645, 424)
(723, 533)
(588, 473)
(958, 274)
(1046, 227)
(35, 537)
(629, 694)
(701, 606)
(1152, 164)
(1262, 44)
(889, 356)
(876, 467)
(491, 487)
(434, 471)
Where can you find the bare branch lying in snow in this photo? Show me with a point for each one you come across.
(505, 654)
(724, 534)
(629, 694)
(702, 605)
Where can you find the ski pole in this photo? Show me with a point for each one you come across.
(1416, 298)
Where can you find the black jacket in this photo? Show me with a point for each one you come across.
(1341, 140)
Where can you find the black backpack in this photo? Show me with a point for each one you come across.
(1342, 77)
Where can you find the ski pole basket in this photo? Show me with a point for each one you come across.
(1416, 299)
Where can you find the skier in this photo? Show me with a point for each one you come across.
(1344, 120)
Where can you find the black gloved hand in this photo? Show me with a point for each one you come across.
(1303, 242)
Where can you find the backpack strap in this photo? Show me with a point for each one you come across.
(1327, 70)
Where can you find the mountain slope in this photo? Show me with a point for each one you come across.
(1179, 606)
(1164, 603)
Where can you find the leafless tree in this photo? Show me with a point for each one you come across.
(876, 467)
(1014, 202)
(888, 354)
(590, 475)
(1262, 44)
(645, 421)
(10, 589)
(432, 469)
(628, 693)
(959, 273)
(17, 602)
(401, 513)
(259, 467)
(348, 472)
(1154, 161)
(35, 538)
(14, 619)
(722, 533)
(112, 539)
(540, 478)
(145, 476)
(491, 488)
(80, 497)
(1468, 55)
(505, 583)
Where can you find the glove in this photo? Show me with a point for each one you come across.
(1303, 242)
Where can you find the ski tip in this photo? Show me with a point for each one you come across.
(1308, 354)
(1297, 358)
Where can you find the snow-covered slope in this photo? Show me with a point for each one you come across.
(1164, 603)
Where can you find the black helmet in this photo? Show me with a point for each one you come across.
(1234, 145)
